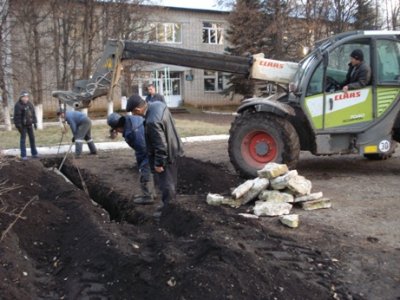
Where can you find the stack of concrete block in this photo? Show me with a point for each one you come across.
(276, 190)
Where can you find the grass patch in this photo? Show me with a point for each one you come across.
(50, 136)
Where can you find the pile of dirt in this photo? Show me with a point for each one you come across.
(199, 178)
(65, 247)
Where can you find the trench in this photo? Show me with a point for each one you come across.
(193, 238)
(195, 179)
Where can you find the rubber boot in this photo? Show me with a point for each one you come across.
(147, 197)
(78, 149)
(92, 147)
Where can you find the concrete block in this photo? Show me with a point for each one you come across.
(259, 185)
(272, 170)
(263, 208)
(214, 199)
(316, 204)
(275, 196)
(280, 182)
(242, 189)
(313, 196)
(300, 185)
(291, 221)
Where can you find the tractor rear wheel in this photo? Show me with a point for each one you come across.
(259, 138)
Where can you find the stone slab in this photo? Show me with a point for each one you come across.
(291, 221)
(313, 196)
(276, 196)
(300, 185)
(242, 189)
(264, 208)
(272, 170)
(316, 204)
(280, 182)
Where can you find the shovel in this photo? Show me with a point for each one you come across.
(65, 156)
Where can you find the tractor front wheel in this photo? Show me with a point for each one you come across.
(258, 138)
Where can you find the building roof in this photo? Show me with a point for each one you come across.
(198, 10)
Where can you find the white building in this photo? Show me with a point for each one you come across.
(195, 29)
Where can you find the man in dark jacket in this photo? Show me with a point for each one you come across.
(163, 144)
(359, 73)
(132, 130)
(153, 96)
(81, 127)
(24, 120)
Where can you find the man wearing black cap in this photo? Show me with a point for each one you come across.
(24, 120)
(359, 73)
(163, 144)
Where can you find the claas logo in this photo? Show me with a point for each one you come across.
(271, 64)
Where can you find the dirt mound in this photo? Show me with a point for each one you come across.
(67, 247)
(199, 178)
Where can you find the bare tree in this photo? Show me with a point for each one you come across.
(366, 16)
(125, 20)
(64, 19)
(245, 35)
(315, 14)
(4, 62)
(392, 14)
(31, 17)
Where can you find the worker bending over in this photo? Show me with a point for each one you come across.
(132, 130)
(81, 126)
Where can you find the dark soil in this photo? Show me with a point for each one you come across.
(66, 247)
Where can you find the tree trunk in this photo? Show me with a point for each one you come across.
(39, 115)
(110, 108)
(5, 62)
(39, 77)
(6, 117)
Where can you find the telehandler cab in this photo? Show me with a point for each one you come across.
(313, 115)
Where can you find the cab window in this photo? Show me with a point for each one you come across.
(388, 62)
(337, 68)
(339, 60)
(315, 84)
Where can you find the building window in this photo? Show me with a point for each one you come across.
(213, 33)
(166, 33)
(214, 81)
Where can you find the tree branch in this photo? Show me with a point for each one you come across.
(18, 216)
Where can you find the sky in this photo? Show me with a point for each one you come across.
(200, 4)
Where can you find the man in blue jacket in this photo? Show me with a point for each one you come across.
(132, 130)
(81, 127)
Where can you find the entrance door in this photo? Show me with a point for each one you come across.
(169, 84)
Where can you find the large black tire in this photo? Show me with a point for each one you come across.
(383, 156)
(258, 138)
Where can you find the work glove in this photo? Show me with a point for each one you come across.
(73, 139)
(35, 126)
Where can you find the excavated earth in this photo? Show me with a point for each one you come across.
(65, 246)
